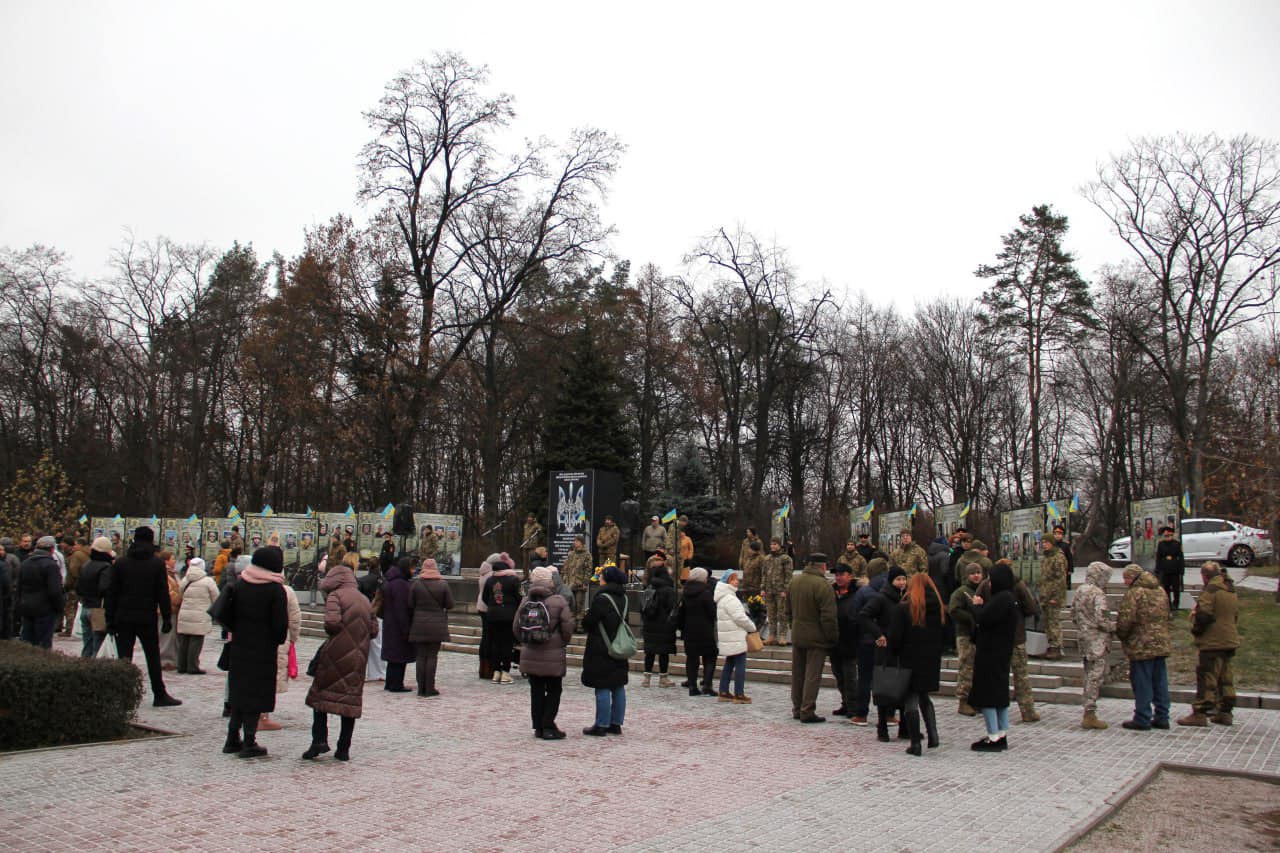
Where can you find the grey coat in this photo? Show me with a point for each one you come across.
(431, 600)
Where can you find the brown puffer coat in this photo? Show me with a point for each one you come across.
(338, 687)
(1143, 621)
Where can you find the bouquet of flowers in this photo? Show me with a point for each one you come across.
(597, 576)
(756, 609)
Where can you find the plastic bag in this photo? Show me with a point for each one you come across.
(108, 647)
(75, 626)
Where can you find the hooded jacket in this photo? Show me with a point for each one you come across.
(732, 622)
(1055, 576)
(996, 620)
(1091, 614)
(95, 579)
(697, 619)
(199, 592)
(338, 686)
(1143, 623)
(1217, 613)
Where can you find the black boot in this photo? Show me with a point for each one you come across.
(233, 744)
(913, 731)
(251, 748)
(930, 725)
(882, 728)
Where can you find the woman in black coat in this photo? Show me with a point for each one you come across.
(921, 652)
(397, 614)
(883, 619)
(501, 597)
(606, 674)
(697, 623)
(659, 627)
(995, 623)
(257, 617)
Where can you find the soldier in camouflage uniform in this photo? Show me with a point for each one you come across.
(855, 561)
(1143, 628)
(576, 572)
(1055, 575)
(533, 537)
(607, 541)
(961, 611)
(744, 550)
(1215, 626)
(778, 570)
(1093, 620)
(1027, 606)
(752, 570)
(429, 545)
(909, 556)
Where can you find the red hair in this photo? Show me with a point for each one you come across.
(918, 588)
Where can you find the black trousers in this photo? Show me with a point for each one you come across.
(425, 665)
(544, 700)
(395, 675)
(664, 662)
(320, 729)
(1172, 583)
(248, 723)
(502, 641)
(146, 634)
(708, 661)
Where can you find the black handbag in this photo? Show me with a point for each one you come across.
(890, 685)
(315, 660)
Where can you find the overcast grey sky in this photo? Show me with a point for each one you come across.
(887, 149)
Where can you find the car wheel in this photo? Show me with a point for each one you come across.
(1240, 556)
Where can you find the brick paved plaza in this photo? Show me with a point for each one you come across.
(464, 772)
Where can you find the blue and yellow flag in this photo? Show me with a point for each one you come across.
(351, 510)
(670, 516)
(1053, 511)
(83, 519)
(964, 510)
(785, 512)
(582, 515)
(310, 511)
(388, 510)
(915, 507)
(1186, 501)
(267, 511)
(1075, 502)
(233, 512)
(193, 519)
(871, 507)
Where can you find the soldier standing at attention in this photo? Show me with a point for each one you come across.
(778, 570)
(753, 570)
(429, 545)
(744, 550)
(577, 574)
(532, 539)
(909, 556)
(1214, 624)
(1052, 589)
(1094, 622)
(856, 562)
(607, 541)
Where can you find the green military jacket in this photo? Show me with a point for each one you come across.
(910, 559)
(778, 569)
(811, 603)
(577, 568)
(1217, 615)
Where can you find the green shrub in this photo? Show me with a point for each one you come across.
(49, 699)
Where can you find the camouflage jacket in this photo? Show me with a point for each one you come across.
(1055, 574)
(577, 569)
(1143, 623)
(744, 551)
(753, 571)
(532, 536)
(910, 559)
(778, 570)
(607, 539)
(1217, 612)
(1091, 614)
(429, 545)
(960, 608)
(855, 562)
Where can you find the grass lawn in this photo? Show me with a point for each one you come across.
(1268, 571)
(1257, 662)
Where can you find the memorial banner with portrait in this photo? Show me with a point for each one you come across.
(891, 526)
(861, 519)
(1021, 531)
(1146, 517)
(113, 529)
(177, 533)
(947, 519)
(215, 531)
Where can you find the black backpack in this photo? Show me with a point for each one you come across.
(649, 603)
(535, 622)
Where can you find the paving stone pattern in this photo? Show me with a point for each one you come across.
(463, 772)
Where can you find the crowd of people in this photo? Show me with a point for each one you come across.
(882, 621)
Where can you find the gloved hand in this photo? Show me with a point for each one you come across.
(166, 626)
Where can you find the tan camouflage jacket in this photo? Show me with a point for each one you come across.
(532, 536)
(910, 559)
(1054, 577)
(429, 545)
(752, 570)
(607, 540)
(778, 570)
(854, 562)
(1143, 622)
(577, 569)
(744, 551)
(1090, 613)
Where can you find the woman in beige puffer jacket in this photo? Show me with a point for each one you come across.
(198, 592)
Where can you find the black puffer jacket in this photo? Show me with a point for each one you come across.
(847, 618)
(39, 586)
(95, 579)
(660, 629)
(138, 586)
(697, 619)
(882, 617)
(598, 669)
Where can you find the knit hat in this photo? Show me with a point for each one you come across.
(877, 566)
(977, 545)
(698, 574)
(493, 560)
(47, 542)
(144, 534)
(729, 575)
(102, 545)
(896, 572)
(195, 563)
(613, 574)
(269, 558)
(1001, 577)
(542, 574)
(506, 558)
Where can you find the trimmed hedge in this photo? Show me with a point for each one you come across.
(49, 699)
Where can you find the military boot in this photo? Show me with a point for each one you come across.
(664, 681)
(1091, 721)
(1222, 718)
(1029, 714)
(1195, 718)
(966, 709)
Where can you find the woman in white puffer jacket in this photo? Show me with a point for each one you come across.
(198, 594)
(732, 626)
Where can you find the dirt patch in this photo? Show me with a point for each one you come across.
(1191, 811)
(135, 731)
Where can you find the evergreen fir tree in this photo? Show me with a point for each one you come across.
(690, 493)
(41, 500)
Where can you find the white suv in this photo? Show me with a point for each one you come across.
(1211, 539)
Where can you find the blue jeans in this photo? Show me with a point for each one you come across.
(997, 720)
(736, 666)
(38, 630)
(91, 640)
(611, 706)
(1150, 680)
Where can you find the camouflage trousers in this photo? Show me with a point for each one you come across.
(1053, 625)
(1095, 674)
(69, 605)
(776, 606)
(964, 678)
(1021, 682)
(579, 603)
(1215, 687)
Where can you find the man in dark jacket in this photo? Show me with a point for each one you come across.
(1170, 566)
(9, 566)
(866, 649)
(40, 594)
(865, 548)
(844, 654)
(811, 610)
(138, 586)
